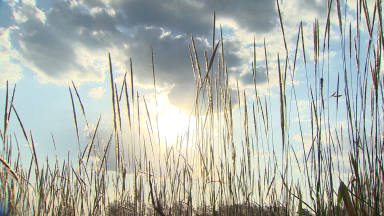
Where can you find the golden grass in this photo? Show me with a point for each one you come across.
(219, 175)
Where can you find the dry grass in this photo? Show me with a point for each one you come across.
(218, 175)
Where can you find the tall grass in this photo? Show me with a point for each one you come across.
(212, 171)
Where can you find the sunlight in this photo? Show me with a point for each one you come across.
(173, 122)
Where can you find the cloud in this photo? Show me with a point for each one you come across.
(49, 46)
(72, 39)
(9, 69)
(303, 118)
(260, 77)
(186, 17)
(303, 105)
(306, 138)
(96, 93)
(261, 153)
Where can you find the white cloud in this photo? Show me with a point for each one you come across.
(303, 118)
(9, 69)
(303, 105)
(96, 93)
(306, 138)
(261, 153)
(27, 10)
(71, 41)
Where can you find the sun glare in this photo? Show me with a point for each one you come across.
(173, 122)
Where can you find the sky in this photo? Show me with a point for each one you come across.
(45, 45)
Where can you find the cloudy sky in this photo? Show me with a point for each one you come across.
(45, 45)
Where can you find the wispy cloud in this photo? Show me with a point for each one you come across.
(96, 93)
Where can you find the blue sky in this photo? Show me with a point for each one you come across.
(45, 45)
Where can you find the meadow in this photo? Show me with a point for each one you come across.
(208, 171)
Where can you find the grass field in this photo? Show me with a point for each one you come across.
(208, 171)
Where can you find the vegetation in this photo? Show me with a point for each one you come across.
(212, 175)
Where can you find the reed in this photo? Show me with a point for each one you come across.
(220, 173)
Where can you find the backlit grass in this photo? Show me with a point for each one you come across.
(218, 166)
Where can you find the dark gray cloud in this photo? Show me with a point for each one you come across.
(171, 56)
(319, 7)
(50, 45)
(43, 49)
(131, 27)
(196, 16)
(261, 76)
(95, 29)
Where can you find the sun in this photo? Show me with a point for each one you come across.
(173, 122)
